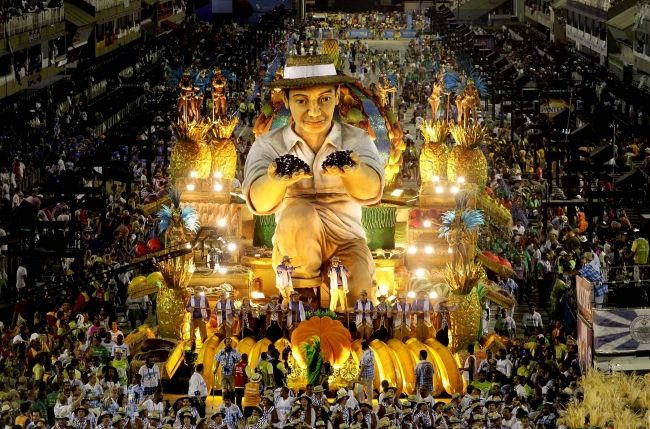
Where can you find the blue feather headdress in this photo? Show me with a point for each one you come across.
(188, 215)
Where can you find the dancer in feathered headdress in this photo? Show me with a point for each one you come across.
(176, 221)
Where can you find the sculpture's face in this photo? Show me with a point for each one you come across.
(312, 109)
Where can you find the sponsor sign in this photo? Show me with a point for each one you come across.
(585, 297)
(585, 344)
(619, 331)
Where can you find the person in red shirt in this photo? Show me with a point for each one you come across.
(240, 379)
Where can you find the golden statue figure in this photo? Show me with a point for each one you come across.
(317, 207)
(219, 104)
(186, 105)
(471, 101)
(434, 98)
(384, 88)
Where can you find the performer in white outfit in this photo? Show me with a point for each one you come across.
(364, 311)
(295, 310)
(338, 275)
(225, 312)
(283, 281)
(200, 308)
(401, 317)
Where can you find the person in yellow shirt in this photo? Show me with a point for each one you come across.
(252, 392)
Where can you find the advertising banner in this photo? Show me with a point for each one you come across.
(585, 297)
(585, 341)
(389, 34)
(408, 34)
(618, 331)
(359, 33)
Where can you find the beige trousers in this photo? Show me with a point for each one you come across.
(302, 234)
(339, 296)
(203, 333)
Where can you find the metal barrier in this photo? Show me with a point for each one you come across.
(623, 275)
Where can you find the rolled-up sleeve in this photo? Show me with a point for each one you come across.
(261, 155)
(360, 143)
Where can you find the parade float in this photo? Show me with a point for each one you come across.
(423, 239)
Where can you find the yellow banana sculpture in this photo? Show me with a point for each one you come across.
(395, 361)
(246, 345)
(206, 356)
(259, 347)
(406, 364)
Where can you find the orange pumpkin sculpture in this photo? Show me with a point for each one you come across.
(335, 340)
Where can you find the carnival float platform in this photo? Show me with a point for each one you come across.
(426, 237)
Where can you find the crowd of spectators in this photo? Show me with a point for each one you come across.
(64, 362)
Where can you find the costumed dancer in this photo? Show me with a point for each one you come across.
(295, 311)
(401, 312)
(338, 275)
(200, 308)
(248, 318)
(421, 310)
(273, 311)
(225, 311)
(283, 280)
(382, 321)
(364, 315)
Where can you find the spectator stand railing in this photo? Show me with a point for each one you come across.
(31, 21)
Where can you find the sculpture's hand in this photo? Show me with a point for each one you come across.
(344, 168)
(288, 179)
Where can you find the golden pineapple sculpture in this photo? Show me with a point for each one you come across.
(191, 153)
(463, 275)
(435, 151)
(223, 151)
(466, 159)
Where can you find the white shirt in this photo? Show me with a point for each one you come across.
(521, 391)
(338, 210)
(533, 320)
(197, 384)
(21, 273)
(150, 376)
(504, 366)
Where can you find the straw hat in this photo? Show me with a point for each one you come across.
(309, 70)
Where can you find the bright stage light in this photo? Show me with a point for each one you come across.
(217, 175)
(428, 250)
(222, 270)
(433, 294)
(194, 174)
(412, 250)
(439, 189)
(411, 295)
(221, 223)
(460, 180)
(450, 250)
(397, 193)
(231, 247)
(426, 223)
(190, 187)
(257, 295)
(454, 189)
(435, 179)
(420, 272)
(218, 187)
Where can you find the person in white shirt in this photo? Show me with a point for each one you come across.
(532, 319)
(21, 277)
(504, 366)
(150, 374)
(519, 387)
(198, 388)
